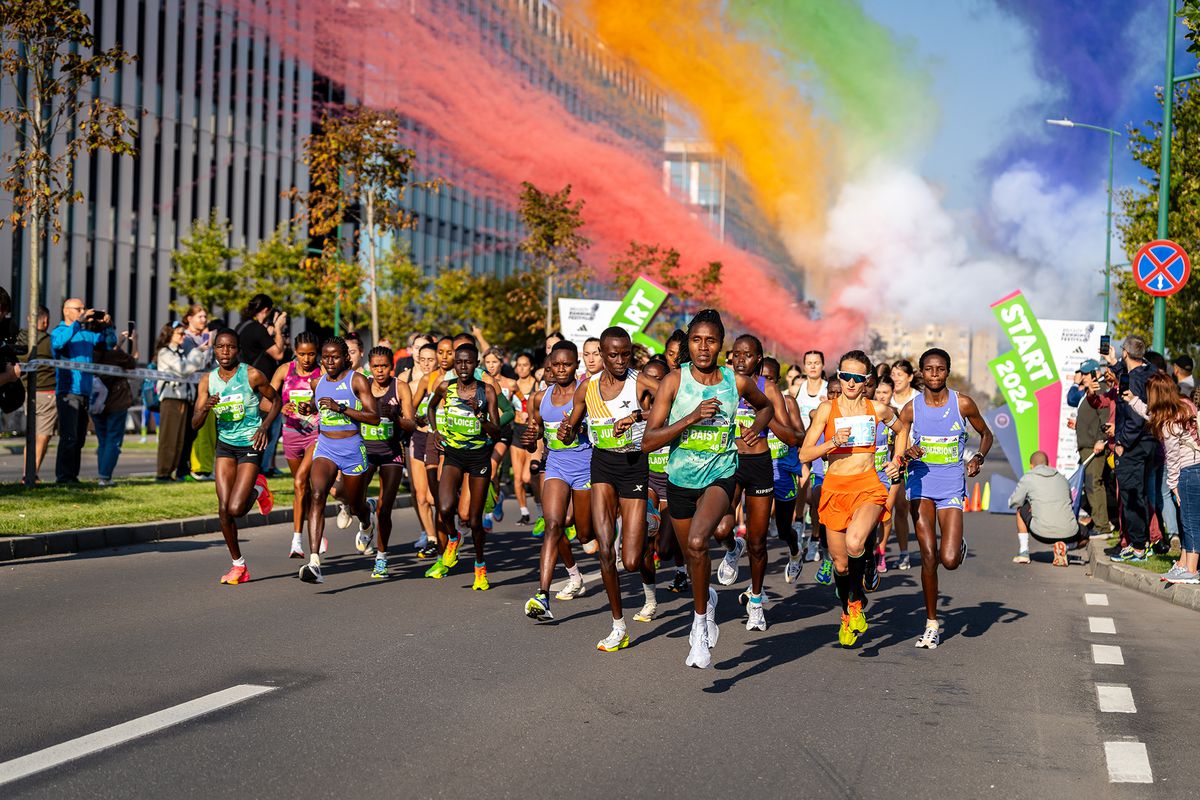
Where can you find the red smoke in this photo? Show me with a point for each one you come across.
(432, 67)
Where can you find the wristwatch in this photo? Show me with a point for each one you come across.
(341, 408)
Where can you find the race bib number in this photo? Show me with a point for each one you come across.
(423, 408)
(744, 419)
(601, 435)
(658, 459)
(230, 408)
(332, 418)
(940, 449)
(462, 422)
(707, 436)
(379, 433)
(776, 446)
(553, 443)
(862, 430)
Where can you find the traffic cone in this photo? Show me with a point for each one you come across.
(987, 496)
(976, 503)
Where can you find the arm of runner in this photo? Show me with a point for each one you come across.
(764, 410)
(970, 412)
(658, 433)
(259, 383)
(407, 419)
(786, 424)
(812, 449)
(204, 403)
(568, 428)
(431, 413)
(487, 418)
(901, 446)
(533, 428)
(289, 408)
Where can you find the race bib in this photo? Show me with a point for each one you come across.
(332, 418)
(707, 436)
(230, 408)
(776, 446)
(940, 449)
(881, 457)
(379, 433)
(553, 443)
(423, 408)
(658, 459)
(601, 435)
(862, 430)
(744, 418)
(462, 422)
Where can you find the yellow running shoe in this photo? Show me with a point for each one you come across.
(450, 556)
(481, 581)
(615, 640)
(846, 635)
(858, 620)
(436, 570)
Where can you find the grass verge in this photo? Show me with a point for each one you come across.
(1154, 563)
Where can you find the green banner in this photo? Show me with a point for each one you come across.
(1017, 387)
(1026, 336)
(640, 305)
(654, 346)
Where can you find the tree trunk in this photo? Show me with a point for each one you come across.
(371, 268)
(549, 301)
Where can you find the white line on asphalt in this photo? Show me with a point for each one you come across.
(1102, 625)
(1128, 762)
(127, 731)
(1107, 654)
(1095, 599)
(1115, 698)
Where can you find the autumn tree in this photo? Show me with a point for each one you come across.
(554, 246)
(47, 55)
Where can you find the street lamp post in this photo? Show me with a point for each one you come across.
(1112, 136)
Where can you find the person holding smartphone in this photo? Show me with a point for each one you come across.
(1136, 447)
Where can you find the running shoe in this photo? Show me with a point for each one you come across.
(727, 570)
(539, 527)
(880, 562)
(236, 575)
(700, 655)
(930, 639)
(571, 533)
(437, 570)
(1060, 554)
(430, 551)
(498, 510)
(297, 551)
(680, 583)
(344, 517)
(710, 614)
(381, 569)
(1190, 578)
(1130, 556)
(537, 608)
(824, 575)
(1021, 557)
(481, 582)
(647, 613)
(812, 551)
(616, 640)
(265, 500)
(524, 520)
(846, 635)
(743, 597)
(858, 620)
(488, 524)
(311, 573)
(422, 542)
(1161, 547)
(962, 551)
(450, 556)
(757, 620)
(592, 547)
(571, 590)
(1174, 572)
(904, 562)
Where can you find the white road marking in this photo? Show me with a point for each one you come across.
(1128, 762)
(1115, 698)
(1107, 654)
(1102, 625)
(127, 731)
(1095, 599)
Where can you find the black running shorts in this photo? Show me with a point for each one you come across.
(628, 473)
(754, 474)
(476, 463)
(681, 502)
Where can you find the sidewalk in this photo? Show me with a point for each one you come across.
(1100, 566)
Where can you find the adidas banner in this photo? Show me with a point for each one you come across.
(1071, 343)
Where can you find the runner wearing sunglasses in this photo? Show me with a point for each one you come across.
(853, 500)
(931, 437)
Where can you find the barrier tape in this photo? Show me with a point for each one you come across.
(109, 369)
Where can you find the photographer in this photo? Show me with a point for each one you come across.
(76, 339)
(262, 336)
(1136, 448)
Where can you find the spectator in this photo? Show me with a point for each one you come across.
(75, 338)
(1091, 440)
(174, 395)
(1044, 510)
(45, 407)
(263, 343)
(1136, 449)
(1183, 367)
(11, 397)
(1172, 419)
(110, 419)
(199, 447)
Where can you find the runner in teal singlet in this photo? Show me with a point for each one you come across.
(694, 412)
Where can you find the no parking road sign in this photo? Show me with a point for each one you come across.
(1161, 268)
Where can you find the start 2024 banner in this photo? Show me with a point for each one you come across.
(580, 319)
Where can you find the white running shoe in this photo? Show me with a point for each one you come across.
(727, 570)
(812, 551)
(311, 573)
(297, 551)
(758, 617)
(344, 517)
(571, 591)
(794, 566)
(710, 614)
(647, 613)
(930, 639)
(617, 639)
(700, 655)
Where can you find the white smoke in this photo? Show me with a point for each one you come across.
(900, 250)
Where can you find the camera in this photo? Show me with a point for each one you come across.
(96, 321)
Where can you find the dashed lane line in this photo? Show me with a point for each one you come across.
(1107, 654)
(1102, 625)
(1095, 599)
(1128, 762)
(1115, 698)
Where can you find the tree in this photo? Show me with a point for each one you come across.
(338, 285)
(404, 293)
(45, 57)
(554, 245)
(1139, 223)
(689, 291)
(201, 266)
(277, 268)
(359, 171)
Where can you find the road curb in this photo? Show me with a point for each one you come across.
(112, 536)
(1140, 580)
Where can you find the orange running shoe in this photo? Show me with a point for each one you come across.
(236, 575)
(265, 501)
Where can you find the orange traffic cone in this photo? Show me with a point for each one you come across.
(976, 502)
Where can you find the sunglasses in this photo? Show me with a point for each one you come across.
(852, 376)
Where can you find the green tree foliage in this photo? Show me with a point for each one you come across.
(46, 55)
(1138, 224)
(202, 267)
(403, 296)
(335, 279)
(554, 247)
(689, 291)
(278, 268)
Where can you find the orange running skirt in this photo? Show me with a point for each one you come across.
(841, 495)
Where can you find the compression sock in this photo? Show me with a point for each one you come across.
(648, 589)
(858, 566)
(842, 581)
(619, 624)
(1023, 542)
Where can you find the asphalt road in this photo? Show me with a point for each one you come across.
(421, 688)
